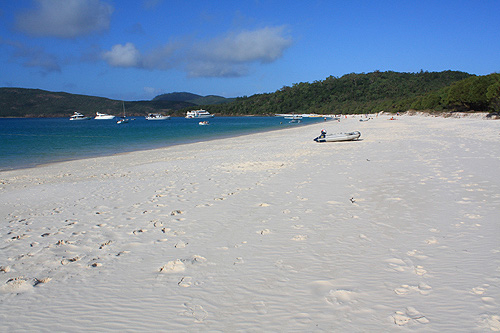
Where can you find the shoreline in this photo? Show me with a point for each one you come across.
(270, 232)
(475, 115)
(74, 153)
(226, 136)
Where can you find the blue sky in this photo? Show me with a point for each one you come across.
(137, 49)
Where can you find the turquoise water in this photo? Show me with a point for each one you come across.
(28, 142)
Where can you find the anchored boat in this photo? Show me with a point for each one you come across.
(157, 116)
(103, 116)
(198, 114)
(78, 116)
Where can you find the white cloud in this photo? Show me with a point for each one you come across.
(231, 55)
(228, 56)
(65, 18)
(264, 45)
(123, 56)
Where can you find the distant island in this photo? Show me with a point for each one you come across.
(350, 94)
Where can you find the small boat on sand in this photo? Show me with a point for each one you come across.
(338, 137)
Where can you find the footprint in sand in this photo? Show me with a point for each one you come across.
(105, 244)
(299, 238)
(195, 311)
(400, 265)
(409, 316)
(260, 307)
(185, 281)
(416, 254)
(176, 266)
(419, 270)
(432, 241)
(480, 289)
(397, 265)
(16, 285)
(196, 259)
(180, 245)
(423, 288)
(491, 322)
(341, 297)
(5, 269)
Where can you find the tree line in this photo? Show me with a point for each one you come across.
(350, 94)
(375, 92)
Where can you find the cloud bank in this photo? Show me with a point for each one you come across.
(33, 56)
(65, 18)
(227, 56)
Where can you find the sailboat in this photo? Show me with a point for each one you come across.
(123, 119)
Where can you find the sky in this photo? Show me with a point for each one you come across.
(138, 49)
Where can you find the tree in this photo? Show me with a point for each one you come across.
(493, 94)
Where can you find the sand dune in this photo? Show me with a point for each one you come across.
(266, 232)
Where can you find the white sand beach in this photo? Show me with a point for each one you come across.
(399, 231)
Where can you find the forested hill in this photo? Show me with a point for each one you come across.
(351, 93)
(193, 98)
(20, 102)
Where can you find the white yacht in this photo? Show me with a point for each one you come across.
(198, 114)
(78, 116)
(103, 116)
(156, 116)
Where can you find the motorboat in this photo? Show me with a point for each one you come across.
(103, 116)
(156, 116)
(204, 123)
(198, 114)
(78, 116)
(338, 137)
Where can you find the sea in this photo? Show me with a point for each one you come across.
(30, 142)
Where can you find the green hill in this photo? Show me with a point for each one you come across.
(193, 98)
(20, 102)
(351, 93)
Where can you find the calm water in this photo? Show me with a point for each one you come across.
(27, 142)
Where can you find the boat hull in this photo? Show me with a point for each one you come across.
(78, 116)
(103, 116)
(84, 118)
(339, 137)
(197, 114)
(200, 116)
(157, 117)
